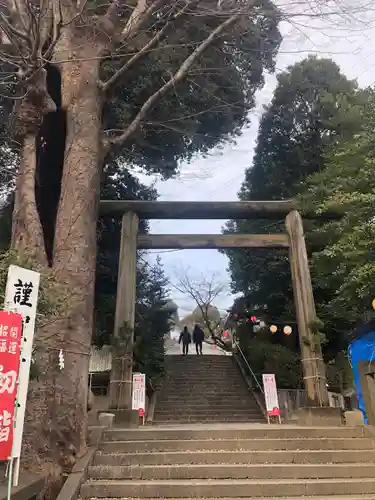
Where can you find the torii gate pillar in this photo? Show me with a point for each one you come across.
(311, 352)
(122, 357)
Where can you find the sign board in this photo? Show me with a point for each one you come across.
(21, 296)
(10, 349)
(139, 392)
(270, 395)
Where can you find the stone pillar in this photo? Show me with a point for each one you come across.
(311, 351)
(122, 354)
(366, 371)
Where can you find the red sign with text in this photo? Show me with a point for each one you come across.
(10, 351)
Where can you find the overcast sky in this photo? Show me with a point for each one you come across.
(219, 176)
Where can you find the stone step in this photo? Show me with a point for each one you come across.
(173, 383)
(330, 497)
(216, 400)
(203, 405)
(198, 398)
(223, 432)
(197, 390)
(210, 384)
(221, 375)
(236, 444)
(237, 457)
(209, 395)
(239, 488)
(228, 397)
(175, 360)
(206, 411)
(233, 471)
(208, 392)
(198, 364)
(207, 416)
(201, 419)
(206, 406)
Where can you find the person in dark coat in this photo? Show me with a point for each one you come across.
(198, 338)
(185, 338)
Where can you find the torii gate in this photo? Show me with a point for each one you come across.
(131, 211)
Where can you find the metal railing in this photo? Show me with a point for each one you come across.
(248, 366)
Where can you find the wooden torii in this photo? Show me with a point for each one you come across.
(293, 238)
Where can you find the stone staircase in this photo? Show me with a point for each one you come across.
(229, 461)
(205, 389)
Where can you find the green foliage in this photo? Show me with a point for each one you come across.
(210, 106)
(344, 266)
(314, 107)
(52, 297)
(152, 323)
(271, 353)
(265, 357)
(152, 320)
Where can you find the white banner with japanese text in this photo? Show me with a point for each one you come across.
(21, 296)
(270, 395)
(139, 392)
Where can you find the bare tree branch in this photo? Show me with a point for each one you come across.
(203, 291)
(140, 15)
(177, 78)
(117, 77)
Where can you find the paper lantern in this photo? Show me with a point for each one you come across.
(287, 330)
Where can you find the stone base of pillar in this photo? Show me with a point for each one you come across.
(354, 418)
(106, 419)
(318, 416)
(126, 418)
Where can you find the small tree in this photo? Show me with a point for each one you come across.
(152, 320)
(204, 291)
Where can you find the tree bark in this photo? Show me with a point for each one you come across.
(27, 232)
(56, 420)
(74, 256)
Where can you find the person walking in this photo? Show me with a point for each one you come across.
(185, 338)
(198, 338)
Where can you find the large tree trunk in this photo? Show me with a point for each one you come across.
(27, 232)
(74, 256)
(56, 421)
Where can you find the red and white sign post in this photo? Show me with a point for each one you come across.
(270, 396)
(10, 351)
(139, 394)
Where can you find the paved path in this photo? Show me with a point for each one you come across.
(174, 349)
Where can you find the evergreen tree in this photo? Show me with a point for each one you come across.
(313, 107)
(344, 267)
(152, 321)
